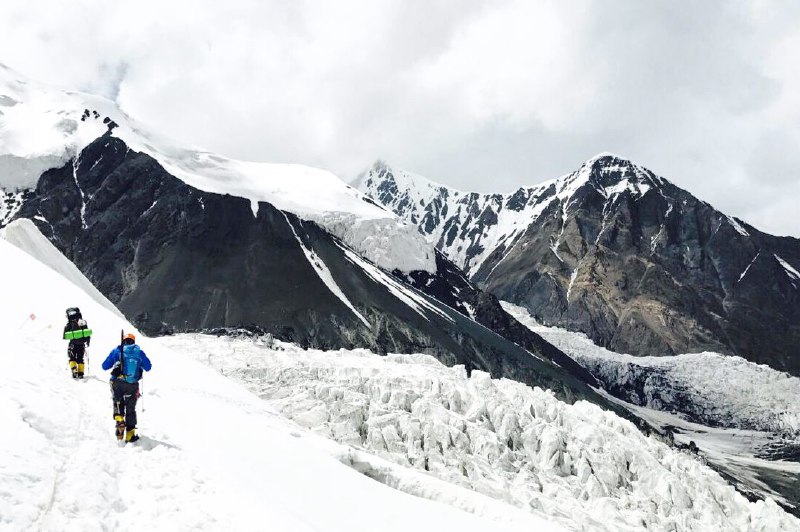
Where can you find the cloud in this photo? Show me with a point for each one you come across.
(479, 95)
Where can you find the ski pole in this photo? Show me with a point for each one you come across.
(141, 395)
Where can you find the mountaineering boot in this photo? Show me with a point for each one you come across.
(131, 436)
(73, 366)
(120, 432)
(80, 371)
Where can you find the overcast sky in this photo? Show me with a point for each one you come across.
(483, 96)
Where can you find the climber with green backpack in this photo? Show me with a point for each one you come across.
(128, 361)
(79, 335)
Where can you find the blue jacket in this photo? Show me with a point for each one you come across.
(134, 362)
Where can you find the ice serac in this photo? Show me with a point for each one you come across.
(576, 465)
(619, 253)
(743, 418)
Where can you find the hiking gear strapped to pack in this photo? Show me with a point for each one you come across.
(78, 334)
(76, 327)
(117, 366)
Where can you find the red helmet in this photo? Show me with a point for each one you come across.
(129, 336)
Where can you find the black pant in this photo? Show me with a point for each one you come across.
(125, 395)
(76, 350)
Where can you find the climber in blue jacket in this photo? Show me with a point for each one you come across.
(128, 362)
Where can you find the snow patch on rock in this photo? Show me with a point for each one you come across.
(737, 226)
(790, 271)
(10, 204)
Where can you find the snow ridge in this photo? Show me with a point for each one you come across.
(737, 226)
(790, 271)
(44, 127)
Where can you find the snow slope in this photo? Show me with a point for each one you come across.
(26, 236)
(213, 455)
(42, 127)
(578, 465)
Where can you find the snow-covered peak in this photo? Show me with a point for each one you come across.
(42, 127)
(448, 216)
(611, 174)
(38, 120)
(608, 173)
(602, 155)
(403, 181)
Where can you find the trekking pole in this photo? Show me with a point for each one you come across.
(141, 394)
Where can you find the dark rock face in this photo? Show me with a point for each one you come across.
(638, 264)
(174, 258)
(450, 286)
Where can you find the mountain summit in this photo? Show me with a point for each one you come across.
(617, 252)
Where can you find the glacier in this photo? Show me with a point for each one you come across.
(577, 465)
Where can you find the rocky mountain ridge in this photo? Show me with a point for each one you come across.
(619, 253)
